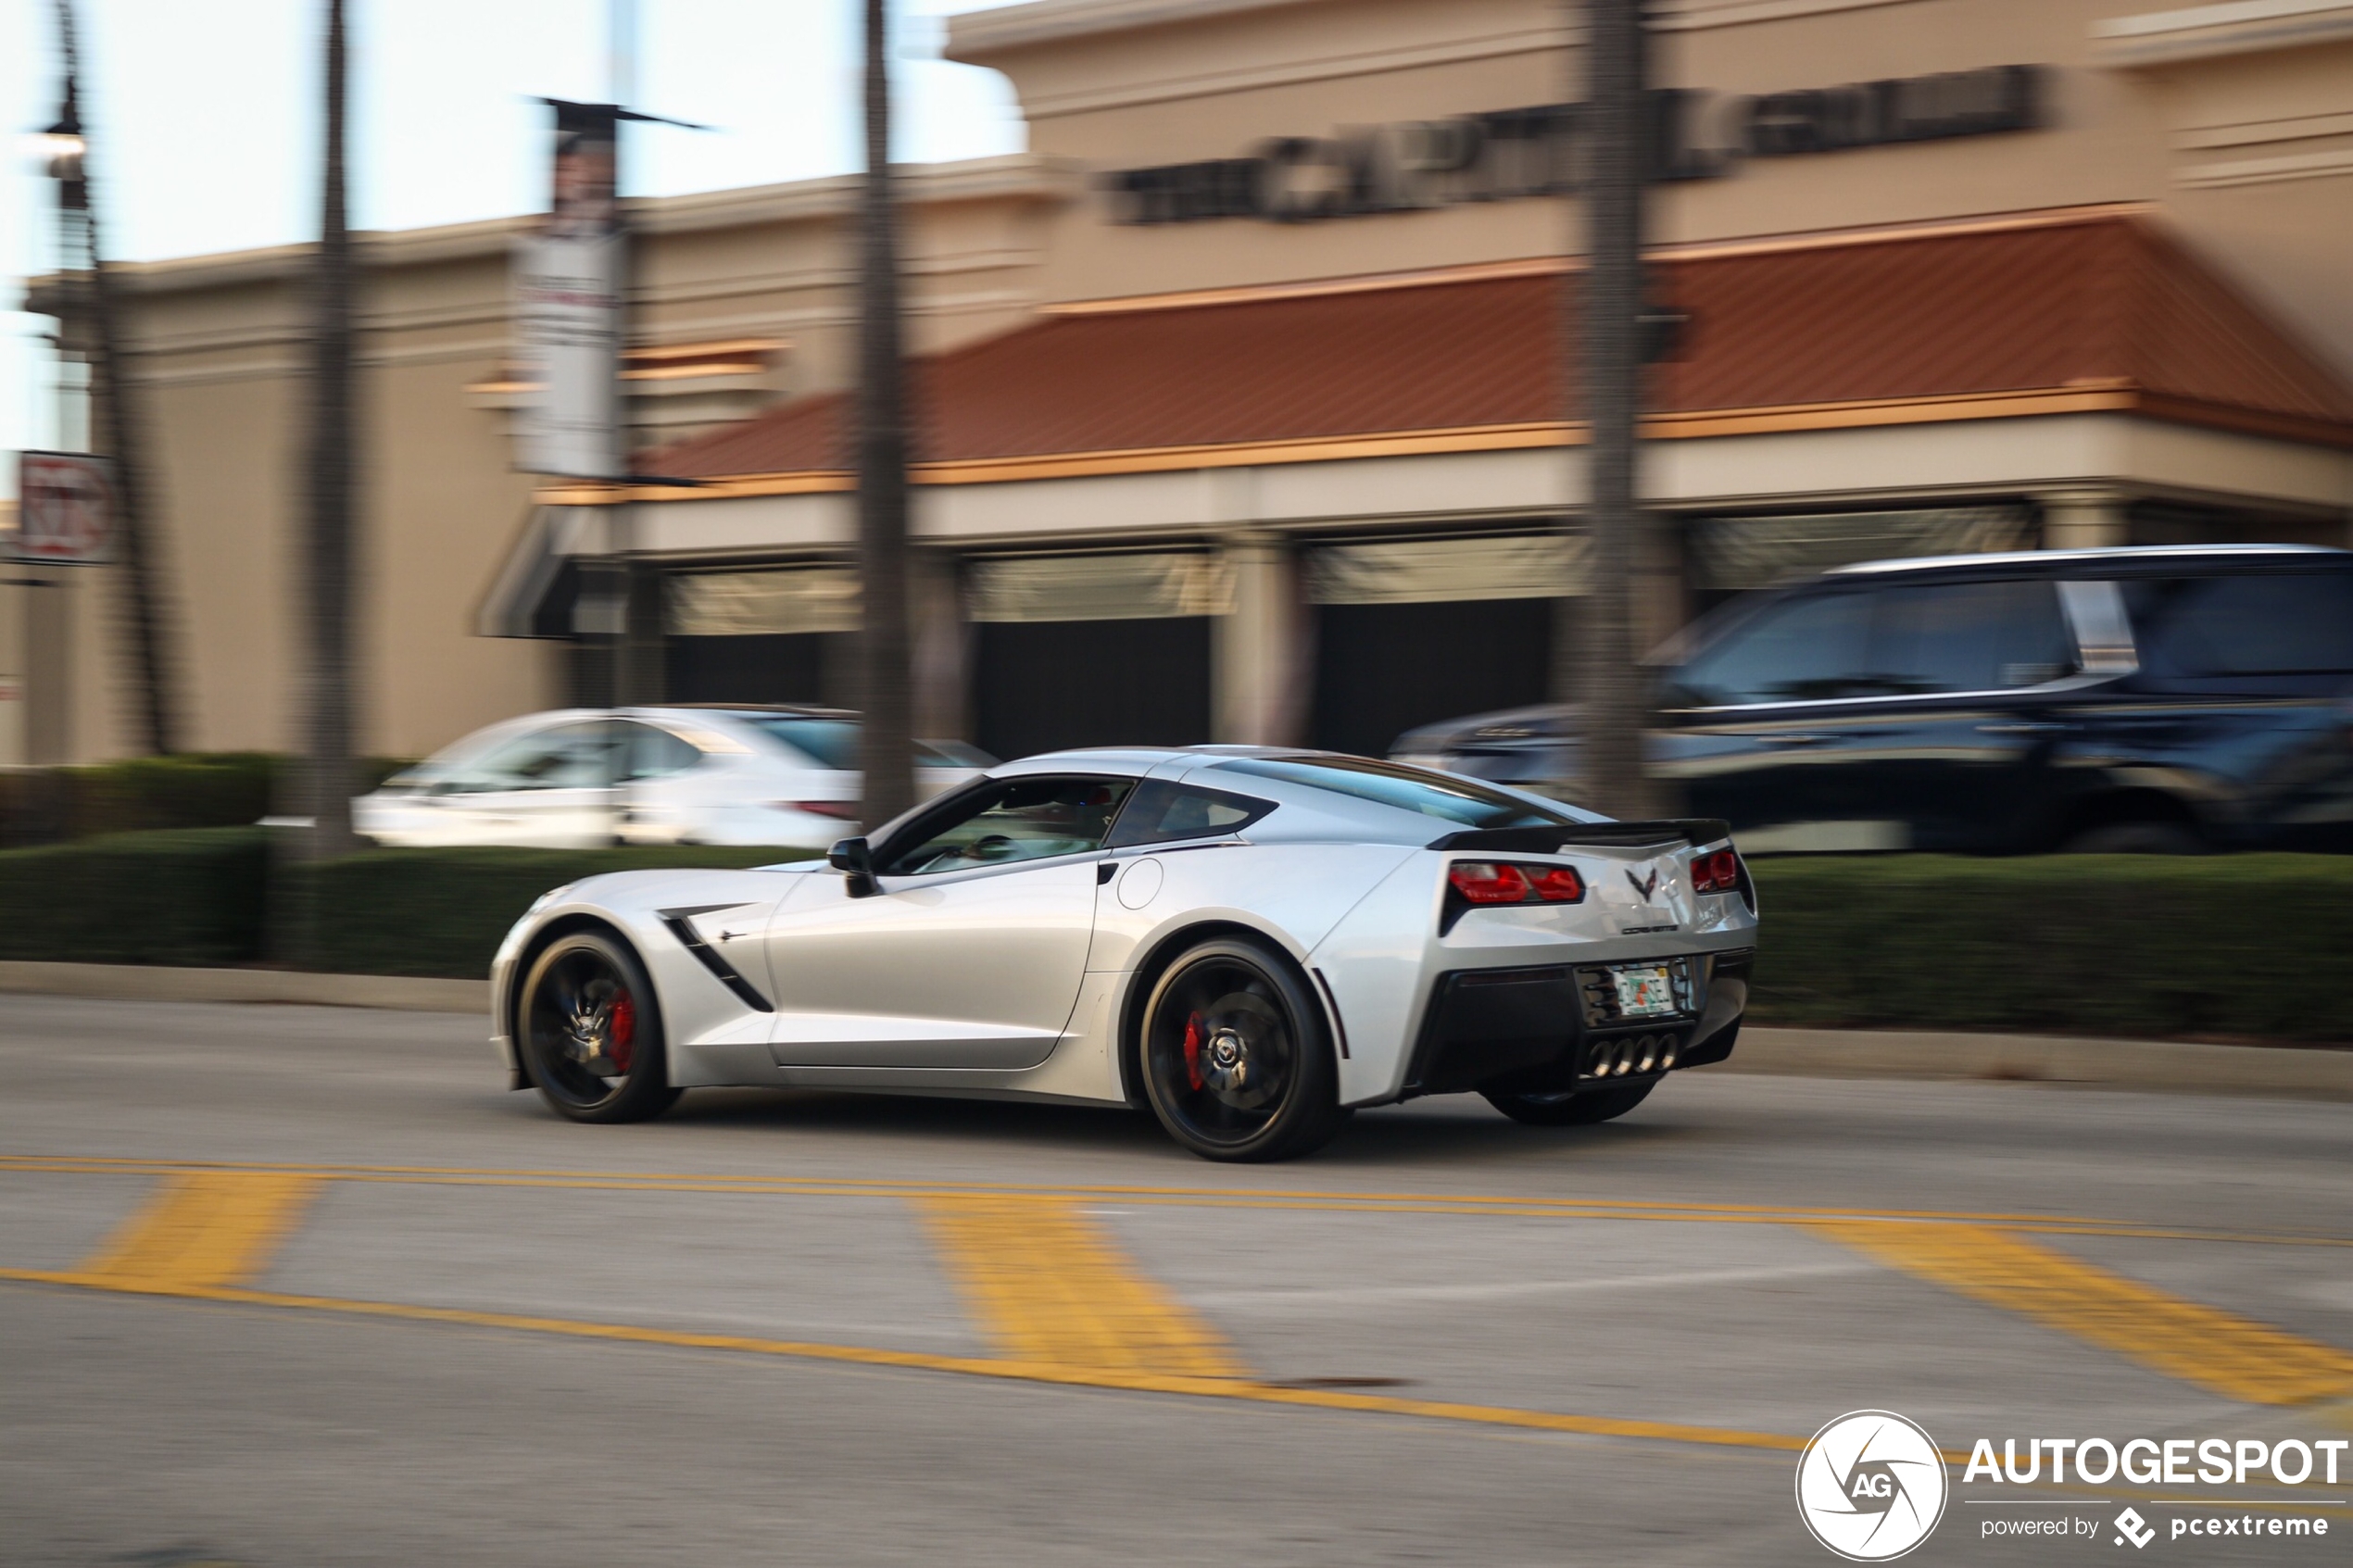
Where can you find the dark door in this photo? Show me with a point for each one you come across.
(1050, 685)
(1746, 734)
(1383, 669)
(1880, 717)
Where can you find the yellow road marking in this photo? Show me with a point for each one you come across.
(1239, 1198)
(1019, 1372)
(1052, 1288)
(209, 1228)
(2219, 1351)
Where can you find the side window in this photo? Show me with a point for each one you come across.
(1161, 812)
(1802, 650)
(1027, 818)
(1967, 637)
(2256, 624)
(657, 754)
(567, 756)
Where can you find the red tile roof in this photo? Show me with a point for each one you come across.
(2102, 306)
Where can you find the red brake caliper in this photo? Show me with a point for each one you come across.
(622, 1029)
(1192, 1050)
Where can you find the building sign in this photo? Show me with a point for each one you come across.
(568, 288)
(1505, 154)
(65, 509)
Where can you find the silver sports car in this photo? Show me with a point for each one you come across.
(1251, 941)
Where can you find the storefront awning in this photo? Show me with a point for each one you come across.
(2083, 311)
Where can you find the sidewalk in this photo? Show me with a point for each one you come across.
(2168, 1066)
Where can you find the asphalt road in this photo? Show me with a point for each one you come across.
(288, 1286)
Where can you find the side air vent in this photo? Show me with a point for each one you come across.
(675, 922)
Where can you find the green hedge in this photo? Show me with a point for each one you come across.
(192, 897)
(142, 794)
(443, 911)
(2247, 947)
(2244, 946)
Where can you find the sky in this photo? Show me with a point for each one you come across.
(204, 120)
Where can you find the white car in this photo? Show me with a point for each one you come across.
(582, 777)
(1249, 941)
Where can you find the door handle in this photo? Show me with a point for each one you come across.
(2023, 727)
(1798, 737)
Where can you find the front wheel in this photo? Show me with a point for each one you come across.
(590, 1031)
(1568, 1110)
(1236, 1062)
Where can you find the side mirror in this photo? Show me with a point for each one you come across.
(855, 859)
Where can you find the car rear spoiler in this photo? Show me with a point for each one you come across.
(1552, 840)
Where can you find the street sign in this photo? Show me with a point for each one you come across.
(65, 509)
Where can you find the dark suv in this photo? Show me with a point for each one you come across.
(2123, 699)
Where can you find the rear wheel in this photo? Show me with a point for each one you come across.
(1546, 1110)
(590, 1031)
(1237, 1063)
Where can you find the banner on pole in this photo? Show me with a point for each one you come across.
(569, 279)
(65, 509)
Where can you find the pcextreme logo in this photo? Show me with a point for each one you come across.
(1870, 1486)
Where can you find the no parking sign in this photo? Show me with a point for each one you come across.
(65, 509)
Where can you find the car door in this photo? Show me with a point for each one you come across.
(971, 951)
(658, 802)
(1975, 677)
(1746, 729)
(549, 787)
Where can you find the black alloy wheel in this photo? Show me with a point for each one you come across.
(1237, 1061)
(1560, 1108)
(590, 1031)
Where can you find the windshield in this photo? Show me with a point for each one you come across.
(1441, 795)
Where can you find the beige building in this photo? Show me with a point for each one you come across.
(1241, 405)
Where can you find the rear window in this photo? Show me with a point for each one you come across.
(1438, 796)
(2251, 625)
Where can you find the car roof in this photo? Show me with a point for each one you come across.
(2126, 556)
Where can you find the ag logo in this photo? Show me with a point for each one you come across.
(1870, 1486)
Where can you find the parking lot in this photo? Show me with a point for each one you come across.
(292, 1286)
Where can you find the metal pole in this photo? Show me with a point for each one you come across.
(1609, 687)
(328, 555)
(885, 697)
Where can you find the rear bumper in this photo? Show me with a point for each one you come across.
(1557, 1027)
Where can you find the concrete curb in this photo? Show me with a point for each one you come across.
(141, 983)
(2168, 1066)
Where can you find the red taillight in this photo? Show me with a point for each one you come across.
(1558, 885)
(1489, 882)
(844, 810)
(1718, 872)
(1481, 882)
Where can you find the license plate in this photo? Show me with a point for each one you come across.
(1643, 990)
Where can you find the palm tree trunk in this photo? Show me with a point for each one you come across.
(327, 540)
(121, 429)
(1608, 684)
(885, 694)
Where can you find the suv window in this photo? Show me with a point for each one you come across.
(1803, 650)
(1028, 819)
(1903, 641)
(2244, 625)
(1969, 637)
